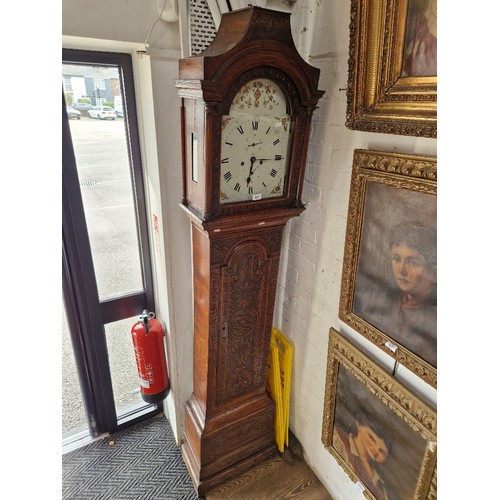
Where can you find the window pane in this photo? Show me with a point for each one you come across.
(104, 171)
(124, 376)
(73, 410)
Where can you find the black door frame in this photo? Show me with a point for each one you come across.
(87, 315)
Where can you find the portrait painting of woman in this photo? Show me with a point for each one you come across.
(420, 47)
(396, 280)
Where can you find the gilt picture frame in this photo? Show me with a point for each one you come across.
(392, 82)
(380, 433)
(389, 276)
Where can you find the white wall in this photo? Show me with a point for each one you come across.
(119, 20)
(311, 268)
(176, 241)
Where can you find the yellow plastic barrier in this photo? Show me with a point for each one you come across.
(279, 380)
(274, 382)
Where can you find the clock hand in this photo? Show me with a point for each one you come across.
(249, 178)
(254, 144)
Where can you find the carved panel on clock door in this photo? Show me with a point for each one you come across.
(245, 284)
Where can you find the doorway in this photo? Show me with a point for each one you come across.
(107, 276)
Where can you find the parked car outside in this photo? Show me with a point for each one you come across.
(82, 106)
(73, 114)
(102, 112)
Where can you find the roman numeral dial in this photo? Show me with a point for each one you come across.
(254, 157)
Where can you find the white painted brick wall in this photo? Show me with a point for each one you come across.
(313, 248)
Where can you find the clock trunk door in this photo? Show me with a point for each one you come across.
(245, 284)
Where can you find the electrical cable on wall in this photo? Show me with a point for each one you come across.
(395, 369)
(146, 43)
(169, 12)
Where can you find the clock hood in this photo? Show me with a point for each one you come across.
(249, 37)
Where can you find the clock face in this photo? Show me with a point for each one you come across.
(255, 144)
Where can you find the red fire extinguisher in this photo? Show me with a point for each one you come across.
(147, 336)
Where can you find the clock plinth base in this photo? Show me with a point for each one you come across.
(227, 444)
(205, 485)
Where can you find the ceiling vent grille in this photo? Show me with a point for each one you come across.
(202, 26)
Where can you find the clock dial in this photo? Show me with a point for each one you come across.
(254, 157)
(255, 144)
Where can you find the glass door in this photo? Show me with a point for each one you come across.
(107, 279)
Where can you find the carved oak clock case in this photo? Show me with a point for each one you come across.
(247, 105)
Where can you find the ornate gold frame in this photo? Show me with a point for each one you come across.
(401, 171)
(379, 98)
(419, 416)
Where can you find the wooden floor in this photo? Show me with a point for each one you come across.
(287, 476)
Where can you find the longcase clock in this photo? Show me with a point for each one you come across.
(247, 105)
